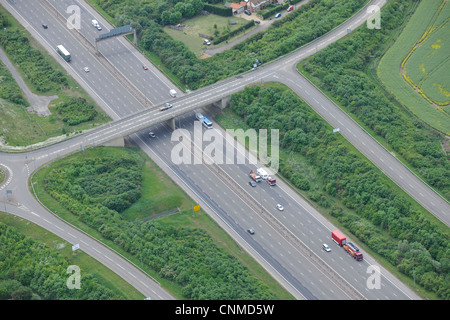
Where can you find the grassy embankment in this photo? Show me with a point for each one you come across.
(159, 194)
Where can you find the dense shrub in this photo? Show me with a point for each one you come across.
(100, 189)
(341, 70)
(76, 111)
(384, 219)
(30, 270)
(42, 76)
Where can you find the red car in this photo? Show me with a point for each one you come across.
(145, 67)
(290, 8)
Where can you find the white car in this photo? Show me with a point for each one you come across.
(86, 69)
(199, 116)
(326, 247)
(280, 207)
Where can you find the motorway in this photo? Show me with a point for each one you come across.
(278, 255)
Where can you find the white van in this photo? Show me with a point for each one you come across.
(262, 173)
(173, 93)
(95, 23)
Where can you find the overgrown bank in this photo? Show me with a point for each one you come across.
(112, 191)
(343, 71)
(347, 186)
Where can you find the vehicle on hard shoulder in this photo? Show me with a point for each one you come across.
(262, 173)
(271, 181)
(351, 249)
(254, 176)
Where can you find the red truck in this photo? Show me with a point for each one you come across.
(254, 176)
(341, 240)
(338, 237)
(353, 251)
(271, 181)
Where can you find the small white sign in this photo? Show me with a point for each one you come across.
(336, 130)
(76, 247)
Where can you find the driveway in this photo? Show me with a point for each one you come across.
(261, 27)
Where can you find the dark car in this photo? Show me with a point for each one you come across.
(151, 134)
(247, 12)
(44, 26)
(252, 183)
(257, 21)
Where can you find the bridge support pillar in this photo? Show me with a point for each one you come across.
(223, 103)
(171, 123)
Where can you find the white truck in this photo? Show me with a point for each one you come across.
(173, 93)
(262, 173)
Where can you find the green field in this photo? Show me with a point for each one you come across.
(206, 25)
(396, 82)
(429, 63)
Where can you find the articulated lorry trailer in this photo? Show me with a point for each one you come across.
(351, 249)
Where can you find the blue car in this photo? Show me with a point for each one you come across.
(278, 15)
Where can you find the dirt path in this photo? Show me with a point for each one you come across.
(261, 27)
(38, 104)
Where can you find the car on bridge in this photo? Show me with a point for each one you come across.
(167, 106)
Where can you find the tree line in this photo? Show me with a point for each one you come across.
(342, 70)
(296, 29)
(42, 76)
(349, 187)
(30, 270)
(97, 189)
